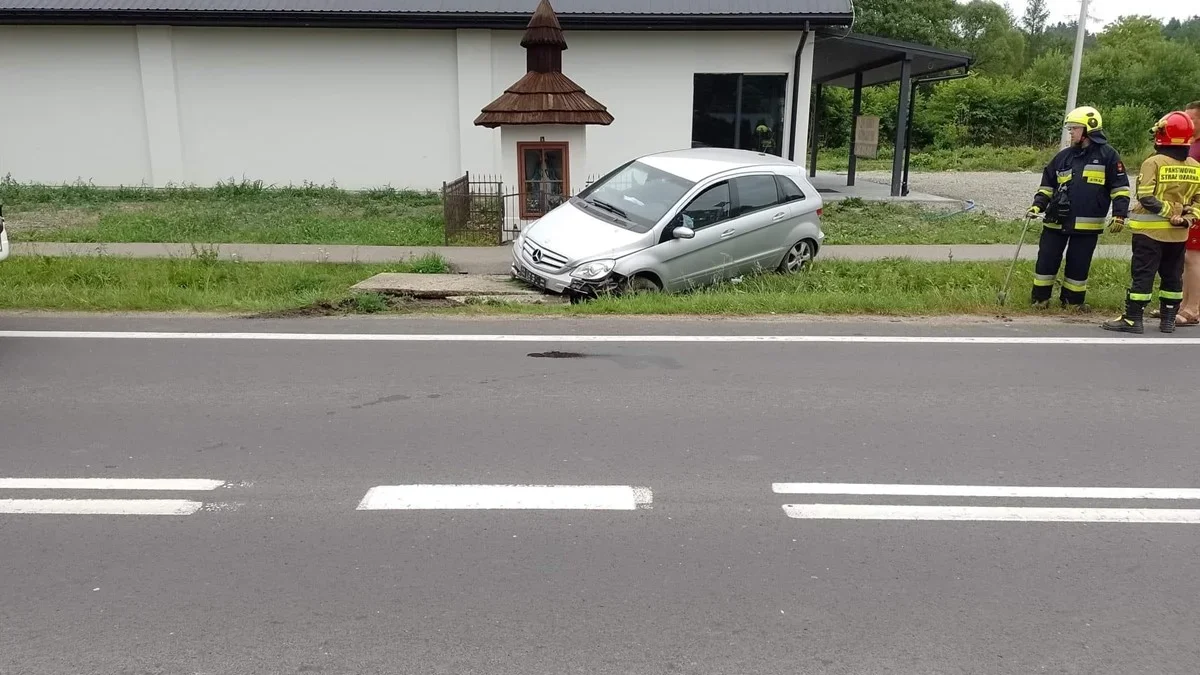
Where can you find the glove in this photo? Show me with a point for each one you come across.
(1180, 221)
(1116, 225)
(1034, 212)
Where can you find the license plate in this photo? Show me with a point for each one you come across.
(530, 277)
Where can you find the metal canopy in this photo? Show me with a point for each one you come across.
(855, 61)
(878, 59)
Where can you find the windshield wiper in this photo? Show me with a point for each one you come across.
(609, 207)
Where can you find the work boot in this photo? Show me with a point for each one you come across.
(1077, 308)
(1166, 322)
(1130, 321)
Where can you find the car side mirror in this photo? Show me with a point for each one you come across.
(683, 232)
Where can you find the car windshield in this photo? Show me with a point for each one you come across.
(638, 194)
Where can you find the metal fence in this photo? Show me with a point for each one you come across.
(482, 211)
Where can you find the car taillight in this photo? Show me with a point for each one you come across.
(820, 212)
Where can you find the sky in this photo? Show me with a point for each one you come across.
(1107, 11)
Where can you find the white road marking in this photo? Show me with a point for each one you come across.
(111, 507)
(383, 337)
(990, 513)
(181, 484)
(984, 491)
(596, 497)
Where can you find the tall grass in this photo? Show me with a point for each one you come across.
(194, 284)
(241, 212)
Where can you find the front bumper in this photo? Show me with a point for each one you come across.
(561, 283)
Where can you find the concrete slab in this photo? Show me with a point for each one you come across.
(441, 286)
(522, 299)
(833, 188)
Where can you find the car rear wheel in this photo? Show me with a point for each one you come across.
(798, 257)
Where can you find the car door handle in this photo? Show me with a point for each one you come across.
(728, 233)
(778, 216)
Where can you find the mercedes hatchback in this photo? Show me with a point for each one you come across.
(675, 221)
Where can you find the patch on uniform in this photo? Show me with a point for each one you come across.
(1120, 167)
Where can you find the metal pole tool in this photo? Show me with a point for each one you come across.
(1003, 296)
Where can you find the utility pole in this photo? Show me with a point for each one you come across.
(1073, 89)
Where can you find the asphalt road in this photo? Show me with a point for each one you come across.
(277, 570)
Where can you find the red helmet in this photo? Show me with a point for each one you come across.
(1174, 129)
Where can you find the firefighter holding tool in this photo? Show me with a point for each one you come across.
(1168, 200)
(1078, 188)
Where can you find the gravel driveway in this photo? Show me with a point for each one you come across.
(998, 193)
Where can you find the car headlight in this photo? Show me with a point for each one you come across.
(594, 270)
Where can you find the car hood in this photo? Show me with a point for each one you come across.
(571, 232)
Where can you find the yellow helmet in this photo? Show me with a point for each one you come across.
(1087, 117)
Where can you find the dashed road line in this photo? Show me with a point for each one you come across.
(114, 507)
(426, 496)
(173, 484)
(990, 513)
(819, 511)
(105, 507)
(900, 489)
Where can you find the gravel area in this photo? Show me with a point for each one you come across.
(998, 193)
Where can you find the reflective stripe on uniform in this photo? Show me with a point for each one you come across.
(1118, 193)
(1064, 177)
(1146, 221)
(1052, 226)
(1139, 297)
(1095, 175)
(1077, 286)
(1043, 279)
(1171, 295)
(1088, 223)
(1049, 192)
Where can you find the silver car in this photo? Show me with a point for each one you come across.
(675, 221)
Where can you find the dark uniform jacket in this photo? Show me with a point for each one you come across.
(1080, 185)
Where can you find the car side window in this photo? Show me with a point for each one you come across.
(709, 207)
(755, 193)
(789, 190)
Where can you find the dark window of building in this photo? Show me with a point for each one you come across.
(739, 111)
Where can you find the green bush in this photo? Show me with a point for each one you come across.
(1128, 130)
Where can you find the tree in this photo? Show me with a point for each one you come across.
(1034, 23)
(987, 32)
(924, 21)
(1184, 31)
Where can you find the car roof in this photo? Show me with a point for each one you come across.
(696, 164)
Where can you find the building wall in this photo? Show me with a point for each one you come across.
(71, 105)
(646, 79)
(362, 108)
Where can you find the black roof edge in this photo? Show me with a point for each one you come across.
(898, 46)
(426, 20)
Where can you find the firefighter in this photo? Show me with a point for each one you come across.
(1168, 198)
(1078, 187)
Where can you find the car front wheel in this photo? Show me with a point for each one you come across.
(641, 284)
(797, 258)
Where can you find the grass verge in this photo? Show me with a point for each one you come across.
(251, 213)
(246, 212)
(854, 221)
(887, 287)
(198, 285)
(982, 158)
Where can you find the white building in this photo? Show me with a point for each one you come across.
(366, 93)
